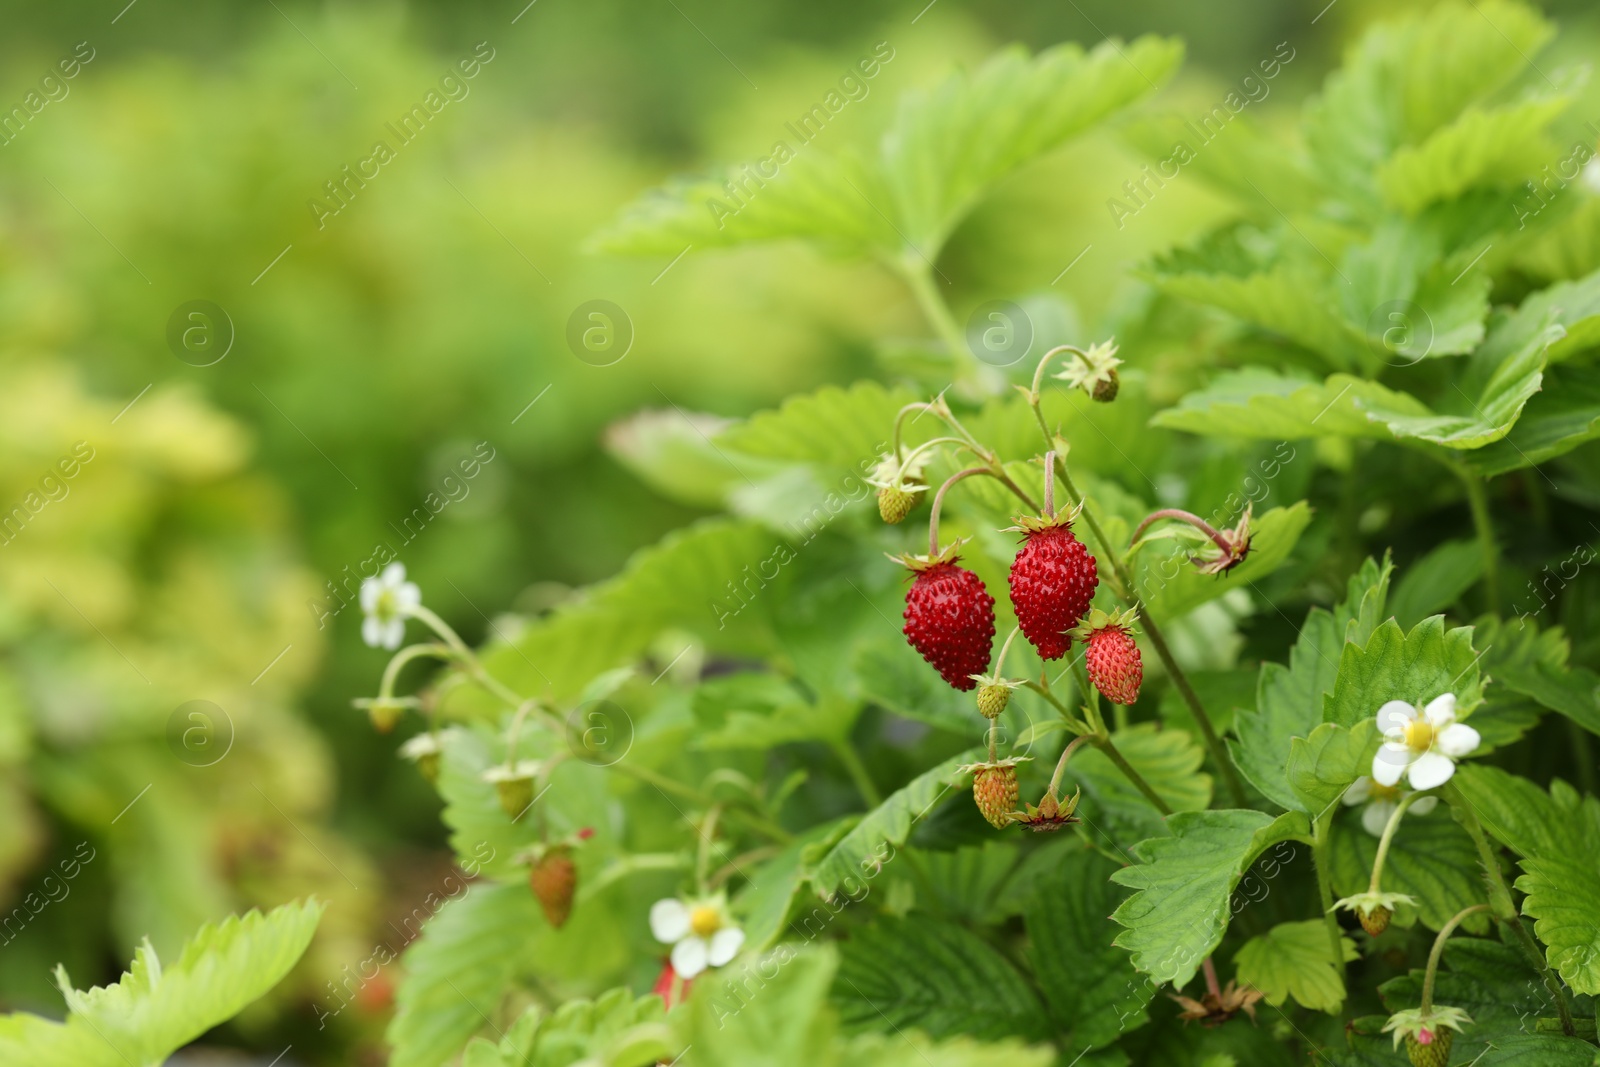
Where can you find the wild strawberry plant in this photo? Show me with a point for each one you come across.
(1075, 710)
(1285, 798)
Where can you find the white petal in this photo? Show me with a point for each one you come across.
(1431, 771)
(689, 957)
(1422, 806)
(669, 921)
(407, 596)
(372, 631)
(1377, 815)
(1441, 710)
(393, 633)
(1359, 790)
(393, 574)
(725, 945)
(371, 589)
(1388, 764)
(1396, 713)
(1457, 739)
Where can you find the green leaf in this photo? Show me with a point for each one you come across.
(458, 971)
(1168, 759)
(1436, 581)
(1563, 896)
(1526, 819)
(1180, 912)
(1491, 146)
(156, 1010)
(1414, 666)
(1289, 698)
(949, 146)
(1431, 858)
(1259, 403)
(616, 1029)
(1090, 986)
(1563, 415)
(935, 976)
(683, 582)
(892, 675)
(672, 452)
(1575, 307)
(944, 151)
(766, 901)
(1408, 77)
(871, 842)
(841, 429)
(1325, 764)
(1533, 663)
(1296, 960)
(1171, 586)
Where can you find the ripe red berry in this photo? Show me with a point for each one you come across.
(1114, 664)
(950, 621)
(1053, 579)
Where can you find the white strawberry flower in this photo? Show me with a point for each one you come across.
(701, 934)
(1381, 800)
(387, 600)
(1422, 744)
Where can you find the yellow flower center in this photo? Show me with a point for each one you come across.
(1385, 792)
(1419, 735)
(705, 920)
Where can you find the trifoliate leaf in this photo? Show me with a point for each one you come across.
(765, 902)
(1181, 910)
(1259, 403)
(872, 841)
(1289, 698)
(1092, 990)
(1296, 960)
(1533, 663)
(1483, 147)
(1416, 667)
(156, 1009)
(932, 975)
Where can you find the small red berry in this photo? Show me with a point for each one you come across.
(1053, 580)
(950, 620)
(1112, 657)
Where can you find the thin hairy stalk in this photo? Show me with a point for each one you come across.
(919, 279)
(858, 773)
(1389, 829)
(1322, 862)
(1438, 951)
(1478, 501)
(938, 505)
(1185, 516)
(1061, 764)
(391, 673)
(469, 658)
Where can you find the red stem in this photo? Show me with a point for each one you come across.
(1189, 517)
(938, 502)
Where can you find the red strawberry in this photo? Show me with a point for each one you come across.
(553, 877)
(1052, 581)
(1111, 655)
(949, 619)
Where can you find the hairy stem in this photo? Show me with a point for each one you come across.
(1323, 864)
(919, 279)
(858, 773)
(1189, 517)
(1389, 829)
(1104, 744)
(1061, 764)
(1438, 951)
(1478, 500)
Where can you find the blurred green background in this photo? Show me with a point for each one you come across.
(425, 321)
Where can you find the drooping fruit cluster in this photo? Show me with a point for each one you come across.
(949, 618)
(1053, 580)
(1111, 655)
